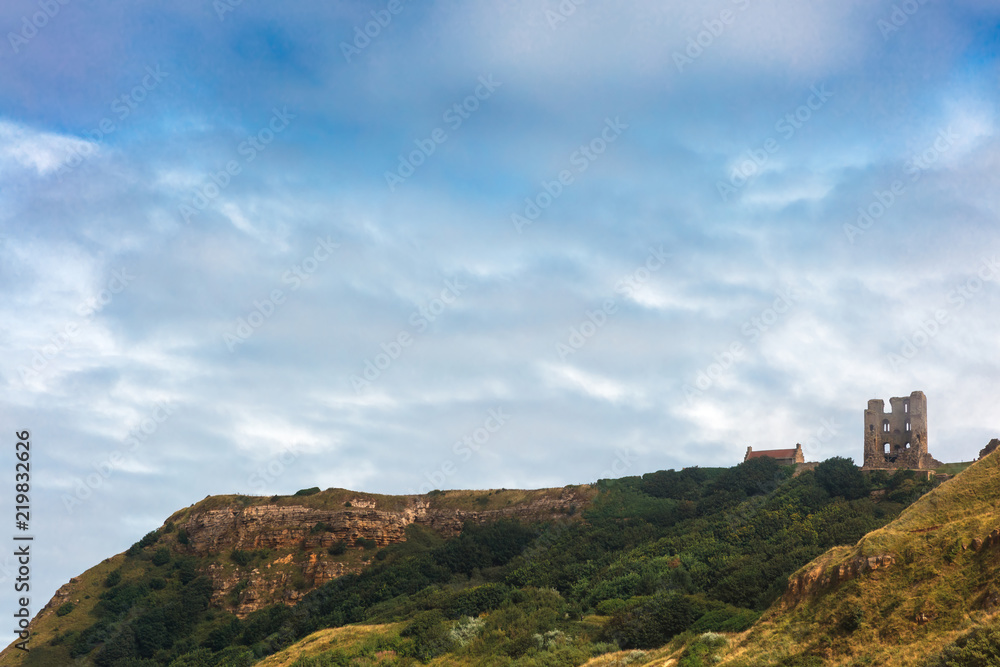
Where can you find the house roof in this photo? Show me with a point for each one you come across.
(773, 453)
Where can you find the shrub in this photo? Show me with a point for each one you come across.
(650, 622)
(148, 540)
(182, 536)
(337, 548)
(307, 492)
(241, 557)
(65, 609)
(431, 635)
(161, 556)
(465, 630)
(365, 543)
(979, 648)
(113, 579)
(610, 606)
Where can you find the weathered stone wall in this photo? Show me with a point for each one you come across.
(898, 439)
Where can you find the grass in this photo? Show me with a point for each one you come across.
(953, 468)
(901, 615)
(349, 638)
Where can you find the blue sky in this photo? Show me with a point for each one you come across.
(246, 248)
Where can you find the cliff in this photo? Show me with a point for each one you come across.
(259, 551)
(298, 536)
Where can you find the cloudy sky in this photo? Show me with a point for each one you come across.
(396, 246)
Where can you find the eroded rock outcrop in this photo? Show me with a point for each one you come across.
(810, 582)
(296, 539)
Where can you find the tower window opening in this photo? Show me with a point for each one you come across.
(885, 447)
(885, 425)
(906, 406)
(907, 425)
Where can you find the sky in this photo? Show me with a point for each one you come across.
(392, 246)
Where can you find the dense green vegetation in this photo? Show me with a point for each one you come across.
(979, 648)
(694, 551)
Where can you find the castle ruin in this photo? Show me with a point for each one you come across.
(898, 439)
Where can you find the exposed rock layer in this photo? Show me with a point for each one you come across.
(302, 561)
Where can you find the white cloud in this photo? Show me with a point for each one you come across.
(42, 152)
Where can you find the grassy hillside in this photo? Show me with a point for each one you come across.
(936, 591)
(657, 566)
(658, 559)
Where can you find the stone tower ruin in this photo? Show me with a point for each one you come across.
(898, 439)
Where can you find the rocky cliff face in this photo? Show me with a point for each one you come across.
(296, 539)
(811, 581)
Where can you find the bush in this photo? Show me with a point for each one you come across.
(148, 540)
(113, 579)
(65, 609)
(337, 548)
(307, 492)
(241, 557)
(182, 536)
(431, 635)
(650, 622)
(365, 543)
(979, 648)
(161, 556)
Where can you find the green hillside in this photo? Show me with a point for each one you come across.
(648, 561)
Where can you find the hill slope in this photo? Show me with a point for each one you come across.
(898, 596)
(466, 577)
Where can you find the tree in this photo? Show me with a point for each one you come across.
(840, 477)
